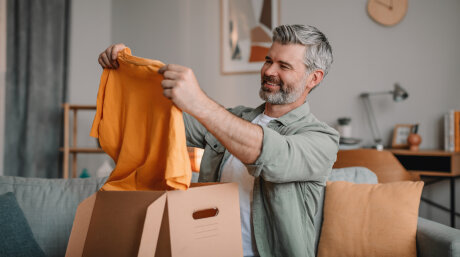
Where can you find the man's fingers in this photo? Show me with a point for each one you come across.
(112, 53)
(108, 53)
(101, 62)
(106, 61)
(163, 69)
(167, 84)
(172, 67)
(115, 49)
(167, 93)
(171, 75)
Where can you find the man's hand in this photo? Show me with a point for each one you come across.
(181, 86)
(240, 137)
(108, 58)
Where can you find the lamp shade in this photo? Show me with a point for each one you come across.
(399, 93)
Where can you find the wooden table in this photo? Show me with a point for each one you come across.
(433, 166)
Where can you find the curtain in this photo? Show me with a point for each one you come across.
(37, 39)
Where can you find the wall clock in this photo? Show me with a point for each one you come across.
(387, 12)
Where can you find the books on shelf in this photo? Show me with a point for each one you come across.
(452, 131)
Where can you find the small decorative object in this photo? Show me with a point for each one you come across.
(414, 139)
(344, 127)
(400, 134)
(84, 173)
(246, 34)
(387, 12)
(399, 94)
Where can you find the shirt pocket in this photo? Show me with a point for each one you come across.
(213, 143)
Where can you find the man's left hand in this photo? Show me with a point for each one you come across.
(181, 86)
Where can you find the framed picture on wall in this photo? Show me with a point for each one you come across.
(400, 134)
(246, 33)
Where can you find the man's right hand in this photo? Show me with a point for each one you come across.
(108, 58)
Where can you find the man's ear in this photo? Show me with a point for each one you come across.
(314, 78)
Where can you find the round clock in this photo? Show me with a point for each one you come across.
(387, 12)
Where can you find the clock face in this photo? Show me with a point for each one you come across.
(387, 12)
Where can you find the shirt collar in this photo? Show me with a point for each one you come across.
(286, 119)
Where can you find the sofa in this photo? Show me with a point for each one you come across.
(49, 207)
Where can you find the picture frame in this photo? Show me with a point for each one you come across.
(246, 34)
(400, 134)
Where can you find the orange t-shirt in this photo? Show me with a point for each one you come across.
(140, 129)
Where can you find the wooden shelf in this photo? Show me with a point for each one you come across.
(80, 107)
(70, 149)
(83, 150)
(423, 152)
(435, 163)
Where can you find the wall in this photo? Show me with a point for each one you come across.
(420, 53)
(90, 34)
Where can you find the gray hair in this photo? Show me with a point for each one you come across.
(318, 54)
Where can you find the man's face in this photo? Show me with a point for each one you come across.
(284, 74)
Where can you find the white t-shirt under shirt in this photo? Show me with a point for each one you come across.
(235, 171)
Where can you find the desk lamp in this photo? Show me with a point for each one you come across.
(398, 93)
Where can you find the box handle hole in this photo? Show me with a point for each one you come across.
(206, 213)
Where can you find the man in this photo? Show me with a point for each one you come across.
(279, 153)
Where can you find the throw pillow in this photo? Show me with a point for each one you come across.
(370, 219)
(16, 238)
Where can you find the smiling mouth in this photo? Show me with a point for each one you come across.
(269, 82)
(268, 86)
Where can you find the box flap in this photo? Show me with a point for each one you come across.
(164, 240)
(117, 222)
(219, 234)
(80, 227)
(152, 225)
(201, 184)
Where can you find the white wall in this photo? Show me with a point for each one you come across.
(421, 53)
(90, 34)
(187, 33)
(2, 77)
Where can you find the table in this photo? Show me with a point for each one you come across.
(434, 165)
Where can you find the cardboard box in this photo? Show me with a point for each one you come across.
(201, 221)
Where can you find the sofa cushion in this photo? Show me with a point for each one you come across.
(49, 206)
(16, 238)
(351, 174)
(370, 220)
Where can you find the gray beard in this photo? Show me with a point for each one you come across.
(280, 97)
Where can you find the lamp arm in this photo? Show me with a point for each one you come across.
(372, 122)
(376, 93)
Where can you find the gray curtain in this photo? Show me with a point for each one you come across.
(37, 32)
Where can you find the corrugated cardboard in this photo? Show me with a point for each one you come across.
(201, 221)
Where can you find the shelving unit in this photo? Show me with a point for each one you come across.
(72, 149)
(433, 166)
(429, 162)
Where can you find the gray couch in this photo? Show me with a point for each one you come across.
(49, 206)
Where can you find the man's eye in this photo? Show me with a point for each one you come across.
(284, 67)
(268, 61)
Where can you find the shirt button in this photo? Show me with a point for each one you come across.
(215, 146)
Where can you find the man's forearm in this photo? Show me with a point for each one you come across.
(241, 138)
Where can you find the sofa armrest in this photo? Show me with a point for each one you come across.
(437, 240)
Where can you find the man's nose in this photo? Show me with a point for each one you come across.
(271, 71)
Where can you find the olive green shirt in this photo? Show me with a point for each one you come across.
(297, 155)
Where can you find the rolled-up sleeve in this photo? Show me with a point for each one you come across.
(304, 156)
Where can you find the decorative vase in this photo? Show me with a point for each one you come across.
(414, 141)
